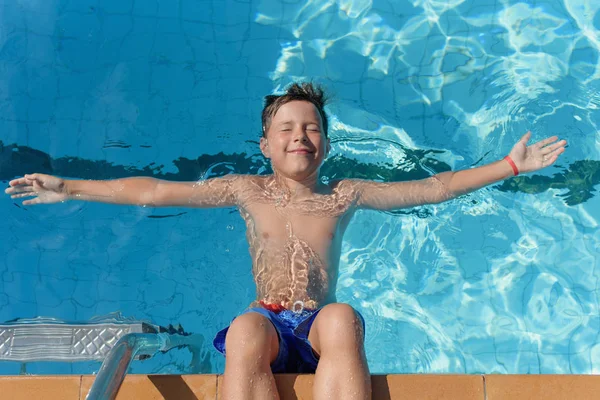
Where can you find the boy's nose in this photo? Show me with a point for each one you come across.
(300, 135)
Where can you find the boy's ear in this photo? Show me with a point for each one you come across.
(264, 147)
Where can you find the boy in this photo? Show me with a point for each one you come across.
(295, 225)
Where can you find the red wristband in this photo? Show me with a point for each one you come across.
(512, 164)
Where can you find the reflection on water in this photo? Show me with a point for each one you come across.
(496, 68)
(496, 281)
(579, 179)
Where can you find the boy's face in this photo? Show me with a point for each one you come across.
(295, 142)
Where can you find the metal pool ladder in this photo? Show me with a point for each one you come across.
(113, 339)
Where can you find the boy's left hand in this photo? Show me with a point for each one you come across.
(537, 156)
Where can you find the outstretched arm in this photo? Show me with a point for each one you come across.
(448, 185)
(45, 189)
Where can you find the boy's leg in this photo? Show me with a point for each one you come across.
(337, 336)
(252, 345)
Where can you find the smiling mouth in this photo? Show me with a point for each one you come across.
(300, 152)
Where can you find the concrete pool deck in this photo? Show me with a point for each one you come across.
(299, 387)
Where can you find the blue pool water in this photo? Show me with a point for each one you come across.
(504, 280)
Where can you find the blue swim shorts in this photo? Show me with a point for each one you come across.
(295, 352)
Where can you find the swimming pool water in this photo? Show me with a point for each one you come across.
(504, 280)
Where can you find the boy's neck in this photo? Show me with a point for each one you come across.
(298, 188)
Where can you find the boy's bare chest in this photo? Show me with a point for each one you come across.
(275, 220)
(278, 224)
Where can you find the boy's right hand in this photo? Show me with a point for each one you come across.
(45, 188)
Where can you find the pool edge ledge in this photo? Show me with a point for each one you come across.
(294, 386)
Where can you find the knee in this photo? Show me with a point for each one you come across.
(341, 325)
(250, 336)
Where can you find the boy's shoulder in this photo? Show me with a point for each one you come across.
(247, 181)
(344, 185)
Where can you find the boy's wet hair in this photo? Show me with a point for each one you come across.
(305, 91)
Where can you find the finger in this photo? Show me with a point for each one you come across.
(32, 201)
(20, 195)
(525, 138)
(551, 158)
(19, 189)
(10, 190)
(553, 147)
(20, 181)
(546, 141)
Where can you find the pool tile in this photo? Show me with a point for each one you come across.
(428, 387)
(292, 386)
(30, 387)
(181, 387)
(534, 387)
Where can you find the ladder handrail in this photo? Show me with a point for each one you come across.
(115, 365)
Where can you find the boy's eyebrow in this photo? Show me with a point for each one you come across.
(291, 122)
